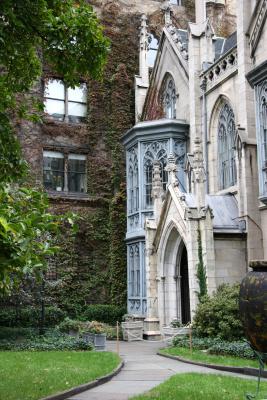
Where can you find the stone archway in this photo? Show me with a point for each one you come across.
(183, 286)
(174, 299)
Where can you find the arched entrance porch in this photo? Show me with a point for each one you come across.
(174, 299)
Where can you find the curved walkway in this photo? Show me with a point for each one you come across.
(143, 370)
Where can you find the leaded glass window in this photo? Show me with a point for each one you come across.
(133, 183)
(263, 136)
(169, 99)
(155, 151)
(134, 271)
(226, 151)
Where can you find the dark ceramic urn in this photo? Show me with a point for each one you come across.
(253, 305)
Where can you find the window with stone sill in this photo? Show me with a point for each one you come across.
(64, 172)
(64, 103)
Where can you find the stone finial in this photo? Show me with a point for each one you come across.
(143, 33)
(167, 8)
(157, 190)
(143, 67)
(171, 168)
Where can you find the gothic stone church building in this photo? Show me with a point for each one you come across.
(196, 159)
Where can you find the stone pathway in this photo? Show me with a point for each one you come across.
(143, 370)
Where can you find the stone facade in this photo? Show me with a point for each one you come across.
(217, 206)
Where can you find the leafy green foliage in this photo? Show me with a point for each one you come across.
(70, 39)
(201, 271)
(67, 35)
(218, 315)
(30, 316)
(69, 324)
(236, 349)
(16, 333)
(216, 346)
(106, 313)
(25, 233)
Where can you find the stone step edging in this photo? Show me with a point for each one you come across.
(86, 386)
(237, 370)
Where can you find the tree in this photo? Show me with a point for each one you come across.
(67, 35)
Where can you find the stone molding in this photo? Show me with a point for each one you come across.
(256, 25)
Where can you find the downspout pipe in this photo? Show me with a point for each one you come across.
(203, 87)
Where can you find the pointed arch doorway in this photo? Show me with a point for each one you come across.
(182, 277)
(175, 281)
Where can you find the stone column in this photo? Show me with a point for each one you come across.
(151, 323)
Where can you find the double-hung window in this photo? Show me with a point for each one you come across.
(65, 104)
(64, 172)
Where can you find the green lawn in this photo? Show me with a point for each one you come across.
(203, 387)
(200, 356)
(33, 375)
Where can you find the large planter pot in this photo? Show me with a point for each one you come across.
(100, 341)
(132, 330)
(89, 337)
(253, 305)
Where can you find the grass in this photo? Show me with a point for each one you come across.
(33, 375)
(200, 356)
(195, 386)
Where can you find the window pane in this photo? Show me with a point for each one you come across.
(53, 171)
(78, 94)
(151, 57)
(55, 89)
(76, 173)
(76, 165)
(55, 108)
(77, 182)
(77, 109)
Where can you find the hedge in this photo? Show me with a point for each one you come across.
(106, 313)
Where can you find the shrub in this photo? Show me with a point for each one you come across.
(51, 341)
(69, 325)
(9, 333)
(197, 342)
(30, 316)
(106, 313)
(218, 315)
(236, 349)
(216, 346)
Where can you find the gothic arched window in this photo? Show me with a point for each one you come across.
(148, 171)
(262, 137)
(152, 50)
(137, 271)
(154, 151)
(133, 183)
(131, 271)
(226, 151)
(134, 271)
(169, 99)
